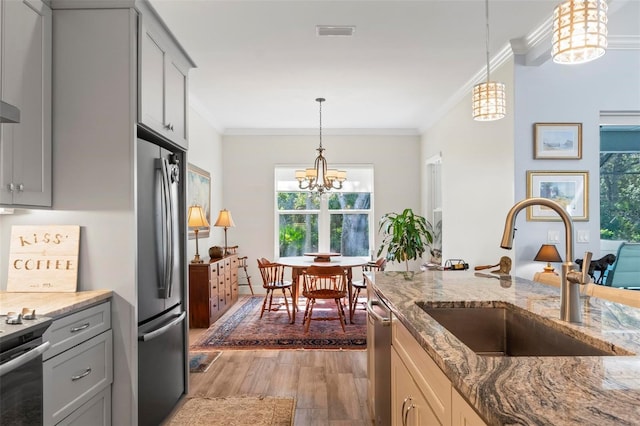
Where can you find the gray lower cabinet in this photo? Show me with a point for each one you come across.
(78, 368)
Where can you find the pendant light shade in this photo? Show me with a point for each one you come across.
(579, 31)
(489, 99)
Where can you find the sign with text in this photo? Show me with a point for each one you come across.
(43, 258)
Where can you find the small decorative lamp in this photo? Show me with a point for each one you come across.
(548, 253)
(197, 219)
(226, 221)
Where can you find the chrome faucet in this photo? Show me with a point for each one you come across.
(570, 279)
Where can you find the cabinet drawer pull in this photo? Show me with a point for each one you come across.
(85, 373)
(80, 328)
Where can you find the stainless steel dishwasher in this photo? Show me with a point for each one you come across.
(379, 357)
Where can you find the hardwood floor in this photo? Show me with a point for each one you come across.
(330, 386)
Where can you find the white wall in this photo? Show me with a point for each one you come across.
(568, 94)
(477, 178)
(205, 152)
(248, 169)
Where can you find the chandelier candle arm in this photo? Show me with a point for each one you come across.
(320, 178)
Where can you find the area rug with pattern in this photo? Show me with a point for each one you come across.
(235, 411)
(199, 362)
(244, 329)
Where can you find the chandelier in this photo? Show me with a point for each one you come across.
(579, 31)
(489, 98)
(320, 178)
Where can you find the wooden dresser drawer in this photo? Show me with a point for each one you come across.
(75, 376)
(66, 332)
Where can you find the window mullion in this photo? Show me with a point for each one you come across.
(323, 225)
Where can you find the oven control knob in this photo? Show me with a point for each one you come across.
(14, 318)
(28, 313)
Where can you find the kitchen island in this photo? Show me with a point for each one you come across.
(567, 390)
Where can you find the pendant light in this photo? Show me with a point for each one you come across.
(579, 31)
(489, 98)
(320, 178)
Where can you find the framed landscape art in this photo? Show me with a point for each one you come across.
(568, 188)
(199, 192)
(557, 141)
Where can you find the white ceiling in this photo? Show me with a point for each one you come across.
(260, 64)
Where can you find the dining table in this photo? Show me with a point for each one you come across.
(298, 265)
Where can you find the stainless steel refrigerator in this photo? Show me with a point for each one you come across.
(162, 344)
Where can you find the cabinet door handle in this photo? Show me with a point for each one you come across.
(85, 373)
(404, 413)
(169, 126)
(11, 187)
(20, 187)
(405, 420)
(80, 327)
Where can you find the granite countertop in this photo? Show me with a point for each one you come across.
(556, 391)
(51, 304)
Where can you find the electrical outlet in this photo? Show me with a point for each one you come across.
(583, 236)
(553, 237)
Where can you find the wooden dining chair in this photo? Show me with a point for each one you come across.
(326, 283)
(272, 280)
(357, 286)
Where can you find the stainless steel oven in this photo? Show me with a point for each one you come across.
(21, 349)
(379, 357)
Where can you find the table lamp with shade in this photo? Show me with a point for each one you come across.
(196, 219)
(548, 253)
(225, 221)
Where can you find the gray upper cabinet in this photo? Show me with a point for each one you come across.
(164, 67)
(25, 70)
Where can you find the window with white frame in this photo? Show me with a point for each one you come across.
(340, 221)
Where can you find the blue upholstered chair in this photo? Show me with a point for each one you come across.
(625, 272)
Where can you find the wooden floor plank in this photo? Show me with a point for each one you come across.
(312, 388)
(342, 397)
(260, 372)
(311, 417)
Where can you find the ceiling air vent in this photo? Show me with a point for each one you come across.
(335, 30)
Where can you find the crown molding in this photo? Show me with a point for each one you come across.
(325, 132)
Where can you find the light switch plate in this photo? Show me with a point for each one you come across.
(583, 236)
(553, 237)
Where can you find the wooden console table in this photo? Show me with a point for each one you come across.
(213, 288)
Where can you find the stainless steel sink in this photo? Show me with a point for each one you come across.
(511, 331)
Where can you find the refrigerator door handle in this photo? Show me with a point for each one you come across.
(160, 331)
(164, 232)
(171, 175)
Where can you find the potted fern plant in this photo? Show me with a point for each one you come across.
(406, 236)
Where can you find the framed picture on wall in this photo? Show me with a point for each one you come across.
(557, 141)
(567, 188)
(199, 192)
